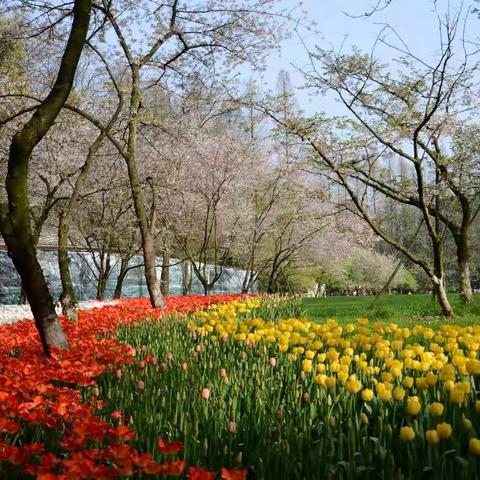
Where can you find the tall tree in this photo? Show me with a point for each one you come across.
(15, 223)
(408, 116)
(181, 42)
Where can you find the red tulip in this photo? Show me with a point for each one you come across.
(172, 448)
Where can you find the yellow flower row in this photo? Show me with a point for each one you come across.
(380, 361)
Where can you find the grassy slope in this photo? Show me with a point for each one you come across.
(401, 309)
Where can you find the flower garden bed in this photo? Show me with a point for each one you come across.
(245, 388)
(50, 422)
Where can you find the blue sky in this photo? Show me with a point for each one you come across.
(416, 21)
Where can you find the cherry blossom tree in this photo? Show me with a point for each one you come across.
(207, 223)
(407, 116)
(177, 40)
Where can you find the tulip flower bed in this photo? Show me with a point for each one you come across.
(251, 386)
(50, 409)
(229, 387)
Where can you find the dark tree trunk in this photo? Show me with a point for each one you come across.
(23, 255)
(463, 259)
(15, 217)
(37, 230)
(245, 282)
(121, 277)
(271, 286)
(203, 275)
(22, 299)
(101, 286)
(249, 276)
(67, 297)
(207, 289)
(103, 276)
(186, 278)
(165, 276)
(148, 244)
(465, 282)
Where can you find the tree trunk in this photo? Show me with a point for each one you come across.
(248, 281)
(165, 277)
(148, 245)
(271, 286)
(103, 276)
(149, 259)
(463, 259)
(186, 279)
(438, 265)
(68, 298)
(22, 299)
(443, 299)
(438, 279)
(23, 255)
(465, 283)
(121, 277)
(249, 275)
(15, 218)
(37, 230)
(101, 286)
(207, 288)
(245, 281)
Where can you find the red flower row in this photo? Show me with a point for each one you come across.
(36, 390)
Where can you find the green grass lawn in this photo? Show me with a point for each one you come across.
(401, 309)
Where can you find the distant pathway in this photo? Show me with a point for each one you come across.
(14, 313)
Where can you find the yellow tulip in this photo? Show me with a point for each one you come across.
(413, 405)
(444, 430)
(407, 434)
(330, 382)
(457, 395)
(467, 424)
(367, 395)
(474, 446)
(320, 367)
(386, 377)
(408, 382)
(354, 385)
(398, 393)
(307, 365)
(432, 436)
(473, 367)
(436, 409)
(385, 395)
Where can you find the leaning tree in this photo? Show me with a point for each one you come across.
(15, 216)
